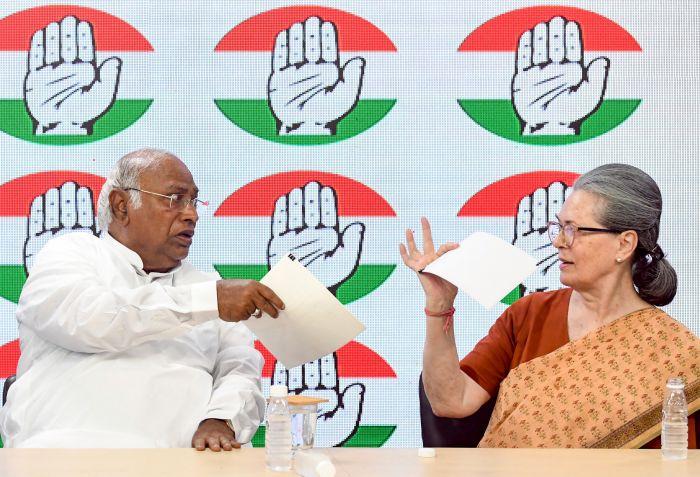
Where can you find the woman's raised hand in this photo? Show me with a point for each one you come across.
(439, 293)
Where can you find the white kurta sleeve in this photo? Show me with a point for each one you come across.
(66, 303)
(236, 393)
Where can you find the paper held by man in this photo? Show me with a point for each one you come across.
(484, 267)
(313, 323)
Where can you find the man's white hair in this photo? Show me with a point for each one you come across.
(127, 174)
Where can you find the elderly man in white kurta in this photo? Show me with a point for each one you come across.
(124, 344)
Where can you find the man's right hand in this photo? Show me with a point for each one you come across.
(240, 299)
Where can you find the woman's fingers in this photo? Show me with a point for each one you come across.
(446, 248)
(404, 254)
(414, 258)
(411, 262)
(412, 249)
(428, 247)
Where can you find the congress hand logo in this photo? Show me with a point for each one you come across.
(553, 90)
(305, 223)
(65, 91)
(308, 90)
(304, 75)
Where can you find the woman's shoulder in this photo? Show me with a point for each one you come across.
(660, 318)
(536, 303)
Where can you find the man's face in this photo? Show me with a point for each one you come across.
(159, 233)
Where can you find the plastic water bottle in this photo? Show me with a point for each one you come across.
(278, 431)
(674, 423)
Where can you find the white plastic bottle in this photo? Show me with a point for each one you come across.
(313, 464)
(674, 423)
(278, 431)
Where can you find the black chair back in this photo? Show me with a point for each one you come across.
(450, 432)
(6, 387)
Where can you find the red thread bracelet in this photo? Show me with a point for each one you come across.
(448, 315)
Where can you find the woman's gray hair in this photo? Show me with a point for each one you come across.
(632, 201)
(126, 174)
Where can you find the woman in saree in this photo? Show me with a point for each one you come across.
(585, 365)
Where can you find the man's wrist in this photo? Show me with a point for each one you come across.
(229, 423)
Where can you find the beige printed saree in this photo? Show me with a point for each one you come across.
(603, 390)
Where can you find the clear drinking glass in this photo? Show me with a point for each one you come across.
(304, 411)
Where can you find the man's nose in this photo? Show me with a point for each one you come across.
(189, 213)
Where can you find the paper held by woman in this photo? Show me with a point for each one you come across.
(484, 267)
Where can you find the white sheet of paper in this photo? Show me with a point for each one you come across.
(313, 323)
(484, 267)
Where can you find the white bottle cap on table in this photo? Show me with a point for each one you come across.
(325, 468)
(426, 452)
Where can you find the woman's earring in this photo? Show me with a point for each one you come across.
(618, 260)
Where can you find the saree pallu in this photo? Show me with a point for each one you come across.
(603, 390)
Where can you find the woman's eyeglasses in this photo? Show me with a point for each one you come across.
(554, 230)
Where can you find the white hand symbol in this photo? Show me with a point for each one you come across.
(339, 418)
(305, 224)
(534, 211)
(308, 91)
(58, 212)
(553, 92)
(64, 90)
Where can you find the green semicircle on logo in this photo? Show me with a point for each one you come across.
(122, 114)
(254, 116)
(498, 116)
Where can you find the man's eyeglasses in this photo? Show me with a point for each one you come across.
(177, 201)
(554, 229)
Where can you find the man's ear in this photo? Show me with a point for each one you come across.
(119, 205)
(627, 244)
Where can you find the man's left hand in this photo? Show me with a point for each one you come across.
(216, 435)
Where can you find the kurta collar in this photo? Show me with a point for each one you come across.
(134, 259)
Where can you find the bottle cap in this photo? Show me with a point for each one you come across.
(325, 468)
(426, 452)
(675, 383)
(278, 391)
